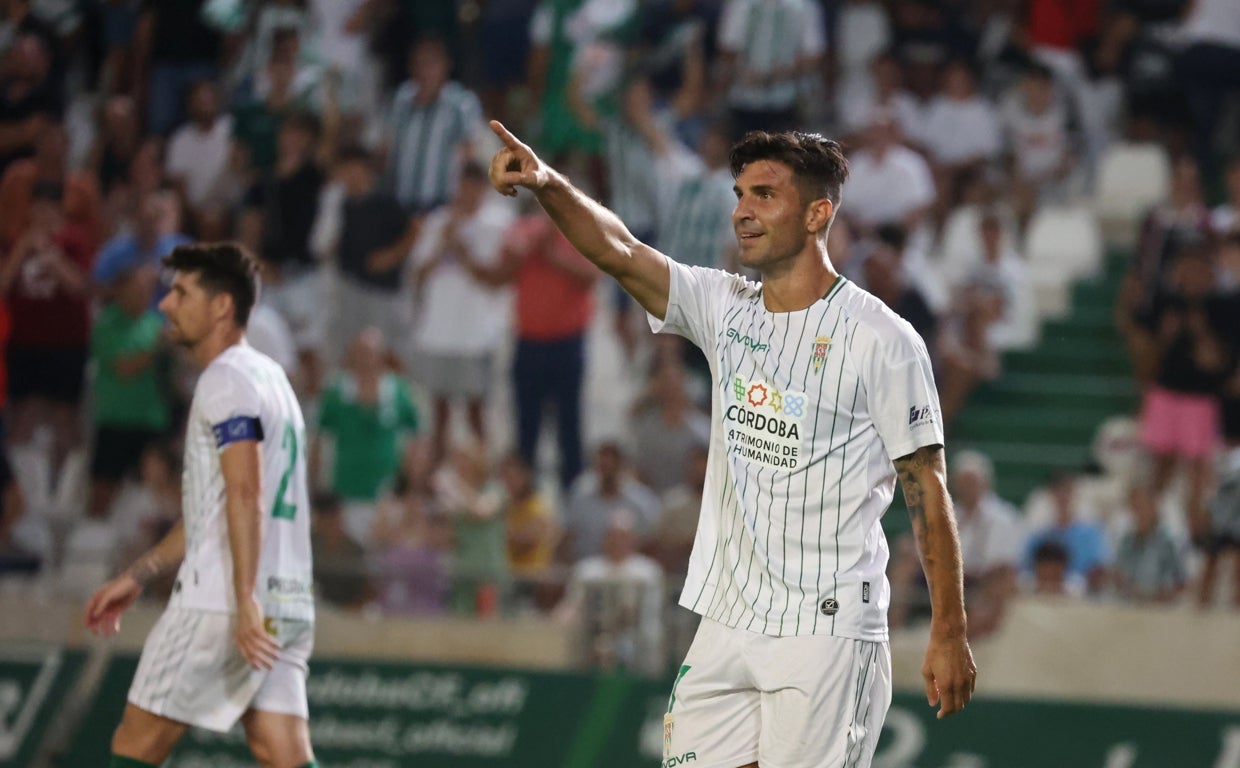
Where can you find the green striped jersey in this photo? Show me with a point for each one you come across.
(634, 191)
(767, 35)
(425, 140)
(810, 408)
(696, 228)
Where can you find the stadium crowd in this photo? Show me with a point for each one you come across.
(430, 325)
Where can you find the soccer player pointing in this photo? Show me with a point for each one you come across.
(235, 639)
(821, 398)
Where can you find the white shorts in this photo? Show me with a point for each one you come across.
(191, 671)
(786, 702)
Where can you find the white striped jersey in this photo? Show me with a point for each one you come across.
(809, 410)
(697, 225)
(767, 35)
(633, 182)
(425, 140)
(244, 395)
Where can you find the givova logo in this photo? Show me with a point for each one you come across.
(680, 759)
(747, 340)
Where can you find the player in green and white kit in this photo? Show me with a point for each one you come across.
(822, 397)
(235, 639)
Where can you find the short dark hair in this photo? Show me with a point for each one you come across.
(1051, 551)
(221, 268)
(818, 163)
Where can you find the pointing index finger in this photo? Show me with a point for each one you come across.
(510, 141)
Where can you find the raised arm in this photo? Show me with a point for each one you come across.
(949, 671)
(597, 233)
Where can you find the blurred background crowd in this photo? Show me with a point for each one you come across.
(495, 432)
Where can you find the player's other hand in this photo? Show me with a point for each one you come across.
(257, 646)
(949, 672)
(515, 164)
(104, 609)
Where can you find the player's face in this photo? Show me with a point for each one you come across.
(770, 218)
(189, 309)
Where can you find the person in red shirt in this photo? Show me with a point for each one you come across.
(44, 277)
(554, 287)
(80, 201)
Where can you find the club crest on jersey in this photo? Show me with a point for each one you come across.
(764, 423)
(821, 346)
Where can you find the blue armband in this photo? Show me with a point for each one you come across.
(236, 429)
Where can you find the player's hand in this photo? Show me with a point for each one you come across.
(257, 646)
(515, 164)
(104, 609)
(949, 672)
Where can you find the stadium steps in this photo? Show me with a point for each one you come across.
(1041, 416)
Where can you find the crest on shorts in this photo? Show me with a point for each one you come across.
(821, 345)
(668, 723)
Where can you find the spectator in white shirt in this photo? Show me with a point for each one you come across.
(616, 597)
(767, 47)
(960, 132)
(991, 539)
(998, 265)
(1035, 125)
(199, 161)
(462, 320)
(888, 183)
(884, 91)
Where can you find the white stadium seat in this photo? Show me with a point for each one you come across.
(1062, 245)
(1132, 178)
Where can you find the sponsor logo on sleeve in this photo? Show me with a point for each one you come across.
(920, 415)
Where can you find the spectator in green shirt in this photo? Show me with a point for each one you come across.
(132, 409)
(369, 414)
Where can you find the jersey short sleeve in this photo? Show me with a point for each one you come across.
(899, 387)
(231, 405)
(695, 298)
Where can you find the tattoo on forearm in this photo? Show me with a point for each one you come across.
(908, 469)
(147, 568)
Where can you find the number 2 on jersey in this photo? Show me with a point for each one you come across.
(283, 509)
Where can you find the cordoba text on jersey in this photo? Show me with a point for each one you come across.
(762, 423)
